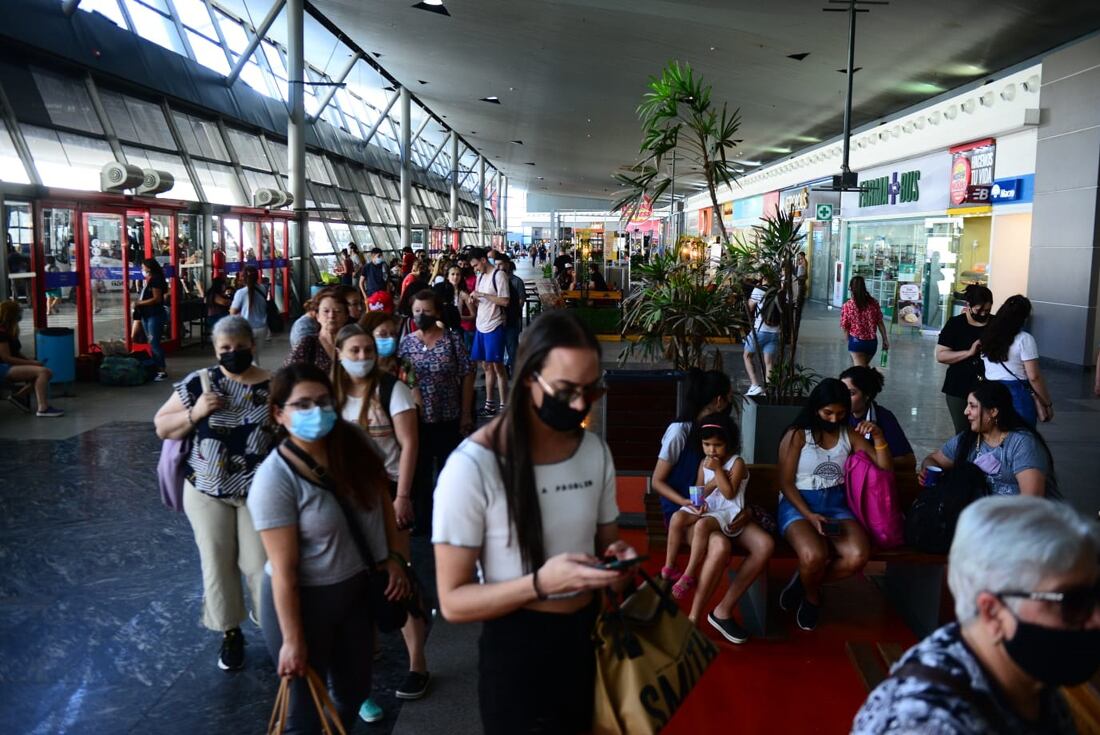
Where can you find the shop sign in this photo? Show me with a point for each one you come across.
(645, 210)
(824, 212)
(892, 189)
(909, 305)
(796, 201)
(1016, 190)
(803, 201)
(917, 185)
(972, 172)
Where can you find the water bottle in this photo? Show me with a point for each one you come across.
(885, 358)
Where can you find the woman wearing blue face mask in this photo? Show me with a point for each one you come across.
(319, 502)
(384, 328)
(223, 410)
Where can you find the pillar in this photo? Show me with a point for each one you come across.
(296, 140)
(480, 201)
(406, 173)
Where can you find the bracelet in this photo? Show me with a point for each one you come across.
(398, 558)
(535, 583)
(189, 419)
(881, 446)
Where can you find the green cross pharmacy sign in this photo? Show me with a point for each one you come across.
(824, 212)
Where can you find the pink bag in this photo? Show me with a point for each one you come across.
(873, 499)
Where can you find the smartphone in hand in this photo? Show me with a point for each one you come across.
(618, 565)
(831, 528)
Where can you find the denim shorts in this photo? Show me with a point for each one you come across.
(832, 502)
(769, 342)
(865, 346)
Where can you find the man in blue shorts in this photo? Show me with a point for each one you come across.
(491, 296)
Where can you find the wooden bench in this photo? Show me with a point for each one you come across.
(914, 581)
(595, 297)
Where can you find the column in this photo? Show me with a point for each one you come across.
(296, 141)
(504, 206)
(453, 217)
(406, 174)
(1065, 233)
(480, 201)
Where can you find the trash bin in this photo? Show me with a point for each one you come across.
(54, 347)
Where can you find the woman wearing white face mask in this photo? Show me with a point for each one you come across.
(374, 399)
(319, 503)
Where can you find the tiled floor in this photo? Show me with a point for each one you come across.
(99, 595)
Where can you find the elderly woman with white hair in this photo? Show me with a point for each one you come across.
(1024, 573)
(224, 410)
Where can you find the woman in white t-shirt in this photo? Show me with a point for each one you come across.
(528, 502)
(1011, 356)
(381, 404)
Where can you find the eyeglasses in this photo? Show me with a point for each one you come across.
(308, 404)
(1078, 603)
(588, 393)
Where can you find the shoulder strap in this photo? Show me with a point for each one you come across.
(385, 392)
(349, 515)
(960, 687)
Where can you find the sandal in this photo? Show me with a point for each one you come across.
(670, 573)
(682, 588)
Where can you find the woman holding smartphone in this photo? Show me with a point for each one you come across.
(813, 511)
(530, 500)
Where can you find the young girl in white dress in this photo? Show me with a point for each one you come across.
(724, 476)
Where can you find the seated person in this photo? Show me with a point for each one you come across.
(865, 383)
(1013, 455)
(217, 301)
(1023, 573)
(16, 368)
(567, 279)
(596, 280)
(306, 325)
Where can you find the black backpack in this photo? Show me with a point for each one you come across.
(930, 522)
(771, 312)
(513, 313)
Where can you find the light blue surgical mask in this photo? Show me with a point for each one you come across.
(492, 261)
(312, 424)
(357, 368)
(386, 346)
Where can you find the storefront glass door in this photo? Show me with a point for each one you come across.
(106, 280)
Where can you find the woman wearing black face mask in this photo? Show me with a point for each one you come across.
(224, 410)
(959, 348)
(1023, 572)
(530, 497)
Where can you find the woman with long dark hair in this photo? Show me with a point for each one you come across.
(1014, 457)
(323, 478)
(813, 509)
(1010, 356)
(467, 311)
(151, 310)
(861, 318)
(959, 348)
(529, 499)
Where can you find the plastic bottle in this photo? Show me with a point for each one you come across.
(885, 358)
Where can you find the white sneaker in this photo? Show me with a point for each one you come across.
(755, 390)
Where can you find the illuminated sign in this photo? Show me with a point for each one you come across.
(972, 172)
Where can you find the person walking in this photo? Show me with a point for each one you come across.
(224, 410)
(320, 349)
(373, 276)
(860, 318)
(536, 594)
(251, 303)
(1011, 356)
(152, 310)
(959, 348)
(491, 295)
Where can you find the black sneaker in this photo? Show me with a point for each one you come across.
(415, 685)
(729, 628)
(791, 594)
(487, 411)
(231, 657)
(808, 614)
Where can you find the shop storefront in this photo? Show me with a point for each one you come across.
(817, 211)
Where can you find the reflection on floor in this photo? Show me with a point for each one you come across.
(101, 601)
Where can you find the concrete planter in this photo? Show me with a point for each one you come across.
(762, 428)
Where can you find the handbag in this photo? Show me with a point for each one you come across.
(873, 499)
(648, 657)
(274, 318)
(326, 710)
(389, 615)
(172, 467)
(930, 522)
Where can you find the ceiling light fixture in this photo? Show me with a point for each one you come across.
(421, 81)
(747, 163)
(1009, 93)
(432, 6)
(798, 57)
(493, 100)
(845, 71)
(518, 142)
(529, 163)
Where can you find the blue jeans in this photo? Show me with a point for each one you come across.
(511, 346)
(153, 325)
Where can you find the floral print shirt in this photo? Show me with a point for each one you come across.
(440, 371)
(860, 323)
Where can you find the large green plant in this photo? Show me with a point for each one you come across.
(768, 255)
(675, 307)
(681, 126)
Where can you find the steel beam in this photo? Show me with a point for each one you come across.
(254, 43)
(381, 117)
(337, 81)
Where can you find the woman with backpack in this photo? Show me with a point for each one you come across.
(1010, 356)
(369, 397)
(251, 303)
(861, 318)
(1013, 457)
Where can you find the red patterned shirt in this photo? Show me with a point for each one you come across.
(860, 323)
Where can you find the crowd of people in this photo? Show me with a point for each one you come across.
(307, 482)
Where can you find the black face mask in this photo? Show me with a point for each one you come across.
(1055, 656)
(236, 361)
(425, 321)
(559, 415)
(979, 318)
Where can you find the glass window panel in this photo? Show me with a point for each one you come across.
(258, 180)
(235, 36)
(182, 189)
(389, 217)
(142, 121)
(155, 5)
(371, 209)
(318, 237)
(208, 53)
(193, 14)
(350, 203)
(66, 160)
(67, 101)
(275, 59)
(152, 26)
(343, 176)
(11, 166)
(362, 235)
(107, 8)
(253, 77)
(378, 235)
(250, 151)
(391, 189)
(219, 183)
(279, 150)
(201, 137)
(341, 234)
(316, 170)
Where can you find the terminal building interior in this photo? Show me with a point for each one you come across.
(714, 193)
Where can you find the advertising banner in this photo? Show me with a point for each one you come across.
(910, 306)
(972, 172)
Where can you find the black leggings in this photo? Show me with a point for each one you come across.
(537, 673)
(437, 441)
(339, 643)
